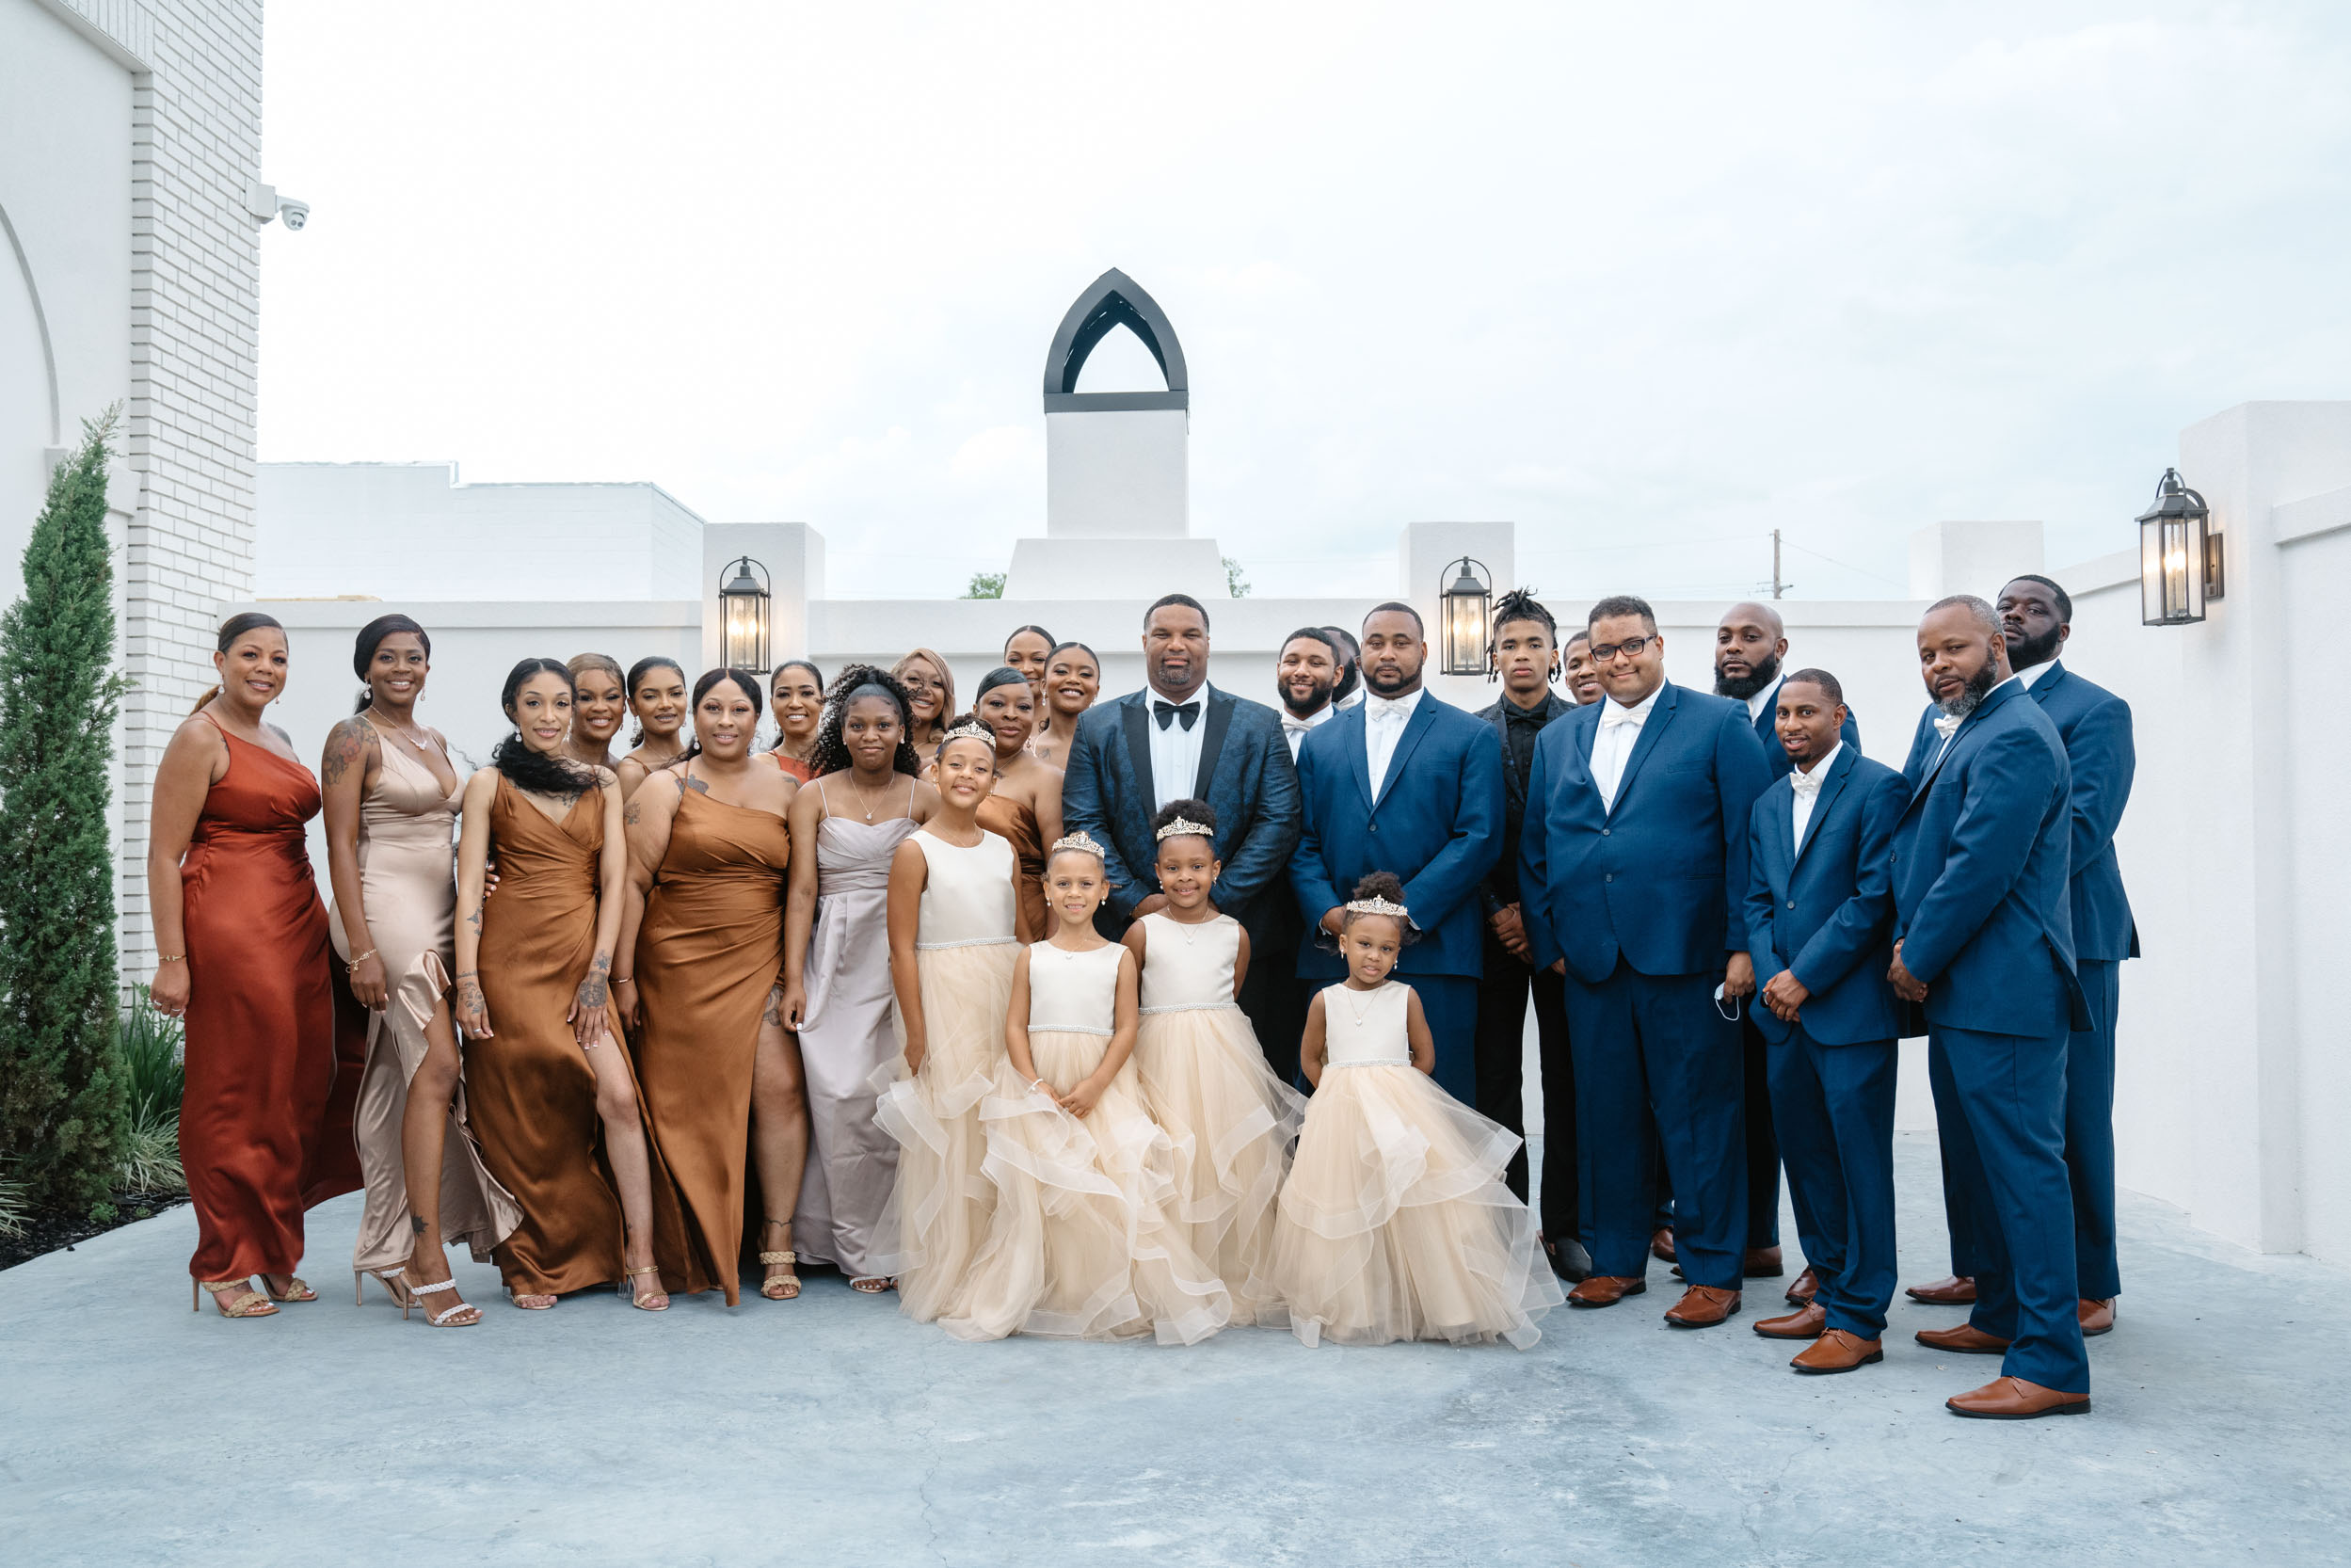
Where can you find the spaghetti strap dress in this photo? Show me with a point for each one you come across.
(406, 874)
(846, 1038)
(260, 1023)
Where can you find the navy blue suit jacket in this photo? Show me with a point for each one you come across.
(1437, 821)
(1776, 756)
(2095, 726)
(1245, 775)
(1661, 877)
(1980, 873)
(1825, 907)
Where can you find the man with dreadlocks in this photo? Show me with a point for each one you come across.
(1525, 655)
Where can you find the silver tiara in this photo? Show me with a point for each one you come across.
(1376, 906)
(970, 729)
(1081, 842)
(1184, 827)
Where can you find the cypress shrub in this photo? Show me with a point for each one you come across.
(64, 1099)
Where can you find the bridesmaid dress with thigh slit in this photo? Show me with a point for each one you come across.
(710, 952)
(846, 1038)
(406, 876)
(260, 1054)
(530, 1088)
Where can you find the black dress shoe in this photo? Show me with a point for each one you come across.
(1569, 1260)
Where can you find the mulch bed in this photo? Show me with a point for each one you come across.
(47, 1231)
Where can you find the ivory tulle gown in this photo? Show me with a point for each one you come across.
(1230, 1120)
(845, 1038)
(1395, 1224)
(1083, 1244)
(964, 954)
(407, 879)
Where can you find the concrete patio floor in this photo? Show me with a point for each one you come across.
(133, 1431)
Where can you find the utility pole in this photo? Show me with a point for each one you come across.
(1778, 585)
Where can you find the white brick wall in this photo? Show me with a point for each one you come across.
(194, 309)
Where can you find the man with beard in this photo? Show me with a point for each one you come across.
(1408, 784)
(1525, 656)
(1304, 673)
(1349, 692)
(1575, 671)
(2035, 618)
(1750, 644)
(1983, 949)
(1633, 876)
(1179, 738)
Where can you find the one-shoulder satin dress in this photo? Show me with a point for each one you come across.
(710, 952)
(408, 878)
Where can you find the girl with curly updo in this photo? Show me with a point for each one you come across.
(858, 808)
(1395, 1224)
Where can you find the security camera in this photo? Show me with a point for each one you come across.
(296, 214)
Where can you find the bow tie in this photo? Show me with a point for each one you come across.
(1806, 783)
(1188, 711)
(1616, 715)
(1947, 724)
(1293, 724)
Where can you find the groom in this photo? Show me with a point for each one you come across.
(1178, 739)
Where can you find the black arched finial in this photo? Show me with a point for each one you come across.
(1110, 301)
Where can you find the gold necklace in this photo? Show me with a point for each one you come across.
(402, 731)
(857, 790)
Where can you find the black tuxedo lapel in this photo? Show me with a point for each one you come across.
(1830, 788)
(1215, 720)
(1424, 718)
(1137, 721)
(1669, 699)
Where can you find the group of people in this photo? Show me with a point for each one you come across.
(1007, 1006)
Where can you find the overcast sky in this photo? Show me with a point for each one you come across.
(1649, 281)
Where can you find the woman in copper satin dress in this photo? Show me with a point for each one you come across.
(704, 927)
(599, 703)
(798, 688)
(1025, 808)
(391, 805)
(549, 1088)
(657, 699)
(240, 938)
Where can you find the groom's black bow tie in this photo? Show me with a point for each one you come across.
(1188, 711)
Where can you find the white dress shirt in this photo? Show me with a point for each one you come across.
(1620, 731)
(1807, 787)
(2034, 674)
(1174, 751)
(1294, 729)
(1760, 704)
(1384, 722)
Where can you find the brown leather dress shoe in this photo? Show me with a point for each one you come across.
(1837, 1350)
(1763, 1263)
(1807, 1285)
(1964, 1340)
(2097, 1316)
(1702, 1307)
(1661, 1244)
(2014, 1400)
(1806, 1322)
(1605, 1290)
(1950, 1290)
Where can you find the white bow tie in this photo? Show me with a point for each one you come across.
(1616, 715)
(1291, 726)
(1947, 724)
(1385, 713)
(1805, 783)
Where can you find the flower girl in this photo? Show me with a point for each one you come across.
(1203, 1077)
(1081, 1245)
(1395, 1224)
(953, 892)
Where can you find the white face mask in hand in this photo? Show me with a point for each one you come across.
(1731, 1017)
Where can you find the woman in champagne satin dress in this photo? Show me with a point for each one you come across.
(391, 806)
(242, 943)
(1025, 807)
(704, 927)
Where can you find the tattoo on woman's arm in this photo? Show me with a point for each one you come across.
(597, 985)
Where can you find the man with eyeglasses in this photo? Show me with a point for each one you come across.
(1633, 876)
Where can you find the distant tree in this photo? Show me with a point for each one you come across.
(64, 1094)
(986, 584)
(1235, 583)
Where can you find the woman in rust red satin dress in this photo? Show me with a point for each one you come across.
(704, 929)
(798, 688)
(549, 1088)
(240, 938)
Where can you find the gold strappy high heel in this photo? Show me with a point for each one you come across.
(390, 1279)
(252, 1303)
(786, 1285)
(640, 1302)
(296, 1290)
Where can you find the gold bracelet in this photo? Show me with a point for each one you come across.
(352, 965)
(171, 958)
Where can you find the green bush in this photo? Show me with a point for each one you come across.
(151, 1065)
(64, 1106)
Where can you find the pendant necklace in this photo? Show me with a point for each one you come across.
(863, 800)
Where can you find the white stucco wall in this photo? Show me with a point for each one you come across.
(1117, 474)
